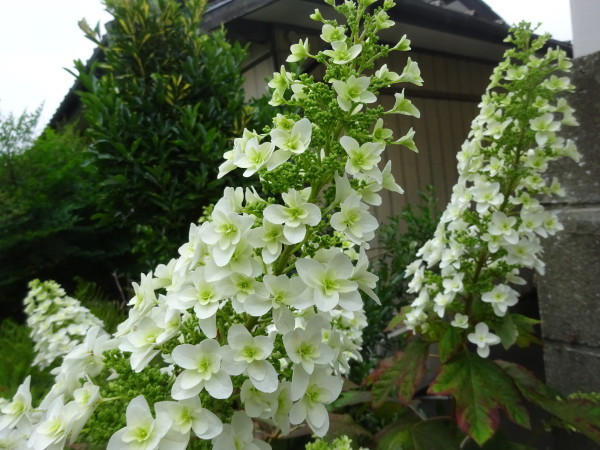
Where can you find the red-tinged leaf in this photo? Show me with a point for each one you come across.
(449, 344)
(582, 414)
(384, 365)
(480, 389)
(405, 373)
(353, 398)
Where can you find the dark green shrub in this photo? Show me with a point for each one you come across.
(161, 110)
(47, 195)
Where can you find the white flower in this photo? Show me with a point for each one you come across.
(280, 406)
(322, 389)
(142, 343)
(299, 51)
(503, 225)
(354, 220)
(238, 435)
(294, 141)
(366, 280)
(483, 339)
(270, 238)
(187, 415)
(411, 73)
(501, 297)
(54, 428)
(404, 106)
(460, 321)
(13, 439)
(387, 75)
(329, 283)
(353, 90)
(442, 300)
(341, 54)
(142, 430)
(255, 156)
(306, 347)
(247, 353)
(362, 158)
(486, 194)
(224, 232)
(545, 127)
(297, 213)
(88, 357)
(282, 293)
(15, 414)
(202, 364)
(281, 80)
(331, 34)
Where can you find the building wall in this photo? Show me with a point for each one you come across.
(448, 103)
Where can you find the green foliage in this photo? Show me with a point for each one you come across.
(412, 434)
(18, 133)
(161, 108)
(16, 362)
(579, 413)
(340, 443)
(110, 415)
(46, 199)
(93, 297)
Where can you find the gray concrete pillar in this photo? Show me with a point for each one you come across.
(569, 292)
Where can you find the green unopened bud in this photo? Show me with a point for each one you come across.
(403, 44)
(317, 16)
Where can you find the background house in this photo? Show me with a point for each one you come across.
(456, 43)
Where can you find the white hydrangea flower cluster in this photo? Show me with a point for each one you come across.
(62, 414)
(493, 224)
(264, 302)
(58, 322)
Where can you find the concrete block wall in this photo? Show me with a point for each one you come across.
(569, 292)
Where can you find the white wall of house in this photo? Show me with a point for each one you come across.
(585, 17)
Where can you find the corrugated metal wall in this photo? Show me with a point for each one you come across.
(447, 101)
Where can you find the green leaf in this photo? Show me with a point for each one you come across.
(396, 321)
(525, 328)
(413, 434)
(581, 414)
(397, 433)
(449, 344)
(353, 397)
(406, 372)
(507, 331)
(480, 390)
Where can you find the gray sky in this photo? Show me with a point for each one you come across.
(39, 38)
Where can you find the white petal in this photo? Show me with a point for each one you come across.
(219, 385)
(294, 234)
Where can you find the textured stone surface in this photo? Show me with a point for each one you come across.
(582, 182)
(569, 291)
(572, 368)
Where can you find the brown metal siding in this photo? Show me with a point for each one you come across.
(447, 101)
